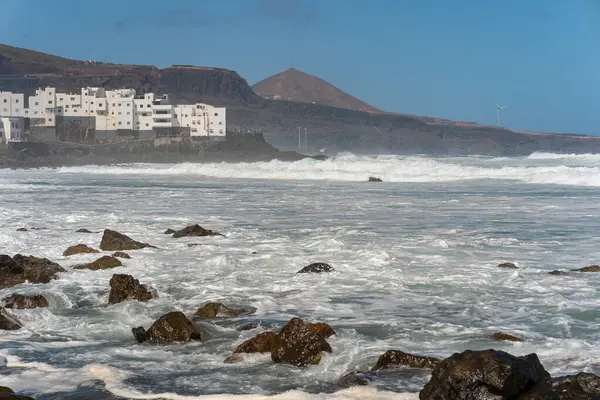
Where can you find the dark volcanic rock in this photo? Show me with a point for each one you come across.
(557, 272)
(217, 310)
(508, 265)
(316, 268)
(374, 179)
(194, 230)
(169, 231)
(83, 230)
(115, 241)
(126, 287)
(297, 345)
(22, 230)
(247, 327)
(25, 301)
(591, 268)
(19, 269)
(395, 358)
(501, 336)
(261, 343)
(353, 379)
(8, 322)
(171, 327)
(9, 394)
(120, 254)
(321, 328)
(79, 248)
(104, 262)
(484, 375)
(582, 386)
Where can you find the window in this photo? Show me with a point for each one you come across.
(128, 104)
(112, 113)
(26, 111)
(49, 101)
(147, 124)
(6, 101)
(72, 98)
(35, 112)
(128, 123)
(17, 101)
(220, 122)
(119, 122)
(216, 114)
(114, 104)
(128, 113)
(67, 106)
(113, 124)
(141, 106)
(119, 112)
(49, 119)
(74, 110)
(91, 102)
(36, 103)
(60, 99)
(6, 110)
(186, 115)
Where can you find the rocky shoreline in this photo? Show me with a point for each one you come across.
(470, 375)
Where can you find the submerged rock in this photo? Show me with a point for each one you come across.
(20, 301)
(395, 358)
(557, 272)
(169, 328)
(316, 268)
(484, 375)
(247, 327)
(22, 230)
(321, 328)
(83, 230)
(194, 230)
(115, 241)
(217, 310)
(501, 336)
(7, 393)
(508, 265)
(299, 346)
(169, 231)
(582, 386)
(19, 269)
(79, 248)
(104, 262)
(120, 254)
(125, 287)
(9, 322)
(354, 379)
(591, 268)
(374, 179)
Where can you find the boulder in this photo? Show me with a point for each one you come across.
(217, 310)
(374, 179)
(169, 231)
(508, 265)
(4, 389)
(557, 272)
(83, 230)
(582, 386)
(126, 287)
(8, 322)
(120, 254)
(22, 230)
(25, 301)
(195, 230)
(484, 375)
(115, 241)
(247, 327)
(395, 358)
(501, 336)
(299, 346)
(79, 248)
(261, 343)
(321, 328)
(19, 269)
(354, 379)
(7, 393)
(591, 268)
(316, 268)
(169, 328)
(104, 262)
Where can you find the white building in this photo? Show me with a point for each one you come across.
(10, 129)
(113, 111)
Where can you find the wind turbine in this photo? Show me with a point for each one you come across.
(498, 108)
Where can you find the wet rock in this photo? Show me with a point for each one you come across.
(22, 230)
(217, 310)
(21, 301)
(484, 375)
(316, 268)
(582, 386)
(321, 328)
(354, 379)
(19, 269)
(395, 358)
(247, 327)
(299, 346)
(120, 254)
(557, 272)
(374, 179)
(83, 230)
(195, 230)
(115, 241)
(193, 244)
(169, 231)
(10, 395)
(104, 262)
(8, 322)
(501, 336)
(254, 252)
(233, 359)
(4, 389)
(591, 268)
(169, 328)
(261, 343)
(508, 265)
(125, 287)
(79, 248)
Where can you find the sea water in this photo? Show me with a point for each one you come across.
(415, 261)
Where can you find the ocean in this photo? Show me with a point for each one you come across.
(415, 261)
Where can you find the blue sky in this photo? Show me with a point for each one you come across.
(443, 58)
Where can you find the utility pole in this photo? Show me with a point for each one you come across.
(299, 139)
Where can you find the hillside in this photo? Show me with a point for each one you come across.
(295, 85)
(335, 128)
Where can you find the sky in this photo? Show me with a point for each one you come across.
(443, 58)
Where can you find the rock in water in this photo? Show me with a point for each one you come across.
(316, 268)
(120, 254)
(261, 343)
(321, 328)
(171, 327)
(501, 336)
(79, 248)
(582, 386)
(484, 375)
(217, 310)
(83, 230)
(169, 231)
(25, 301)
(557, 272)
(115, 241)
(8, 322)
(126, 287)
(374, 179)
(297, 345)
(19, 269)
(104, 262)
(22, 230)
(507, 265)
(195, 230)
(8, 394)
(591, 268)
(395, 358)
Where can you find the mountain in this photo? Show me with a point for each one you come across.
(295, 85)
